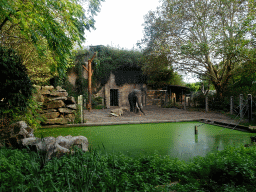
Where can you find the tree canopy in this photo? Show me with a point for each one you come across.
(46, 30)
(128, 66)
(210, 38)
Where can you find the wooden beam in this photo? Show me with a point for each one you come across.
(90, 71)
(85, 68)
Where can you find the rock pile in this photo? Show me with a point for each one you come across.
(58, 107)
(20, 135)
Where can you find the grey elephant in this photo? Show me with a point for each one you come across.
(134, 102)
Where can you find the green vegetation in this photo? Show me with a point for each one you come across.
(37, 39)
(109, 59)
(16, 87)
(156, 69)
(213, 39)
(230, 170)
(44, 32)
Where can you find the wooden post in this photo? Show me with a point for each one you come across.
(196, 131)
(185, 103)
(206, 104)
(80, 103)
(231, 105)
(90, 72)
(166, 98)
(181, 96)
(241, 105)
(250, 107)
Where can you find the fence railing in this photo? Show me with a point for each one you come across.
(242, 106)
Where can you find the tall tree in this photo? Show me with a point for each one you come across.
(158, 70)
(206, 37)
(53, 27)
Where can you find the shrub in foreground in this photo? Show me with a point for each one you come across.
(230, 170)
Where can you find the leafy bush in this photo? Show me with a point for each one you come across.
(16, 87)
(232, 169)
(97, 102)
(31, 115)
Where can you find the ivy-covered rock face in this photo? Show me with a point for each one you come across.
(16, 87)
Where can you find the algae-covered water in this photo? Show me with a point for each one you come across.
(178, 140)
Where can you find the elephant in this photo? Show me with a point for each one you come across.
(134, 102)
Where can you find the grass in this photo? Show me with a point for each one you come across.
(232, 169)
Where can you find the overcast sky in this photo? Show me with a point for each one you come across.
(119, 23)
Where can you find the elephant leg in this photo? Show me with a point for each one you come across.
(131, 105)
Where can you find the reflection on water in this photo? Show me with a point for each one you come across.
(178, 140)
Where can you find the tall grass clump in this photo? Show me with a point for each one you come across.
(232, 169)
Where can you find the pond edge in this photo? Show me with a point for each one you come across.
(207, 121)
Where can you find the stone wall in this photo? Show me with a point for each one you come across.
(58, 107)
(72, 76)
(123, 92)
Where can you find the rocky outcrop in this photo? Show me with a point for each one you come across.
(20, 135)
(58, 107)
(56, 147)
(12, 135)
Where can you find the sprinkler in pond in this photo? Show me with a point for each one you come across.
(196, 131)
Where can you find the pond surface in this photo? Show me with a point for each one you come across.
(178, 140)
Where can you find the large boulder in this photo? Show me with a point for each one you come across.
(56, 121)
(70, 117)
(12, 135)
(65, 110)
(21, 136)
(52, 115)
(59, 94)
(56, 147)
(59, 89)
(46, 90)
(59, 98)
(72, 106)
(54, 104)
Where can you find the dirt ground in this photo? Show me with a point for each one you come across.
(152, 114)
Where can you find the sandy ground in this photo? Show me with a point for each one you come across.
(152, 114)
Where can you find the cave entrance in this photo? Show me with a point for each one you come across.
(113, 97)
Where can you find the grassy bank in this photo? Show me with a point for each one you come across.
(232, 169)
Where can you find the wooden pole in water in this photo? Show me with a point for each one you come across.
(196, 131)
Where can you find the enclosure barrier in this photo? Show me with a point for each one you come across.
(231, 105)
(245, 106)
(241, 105)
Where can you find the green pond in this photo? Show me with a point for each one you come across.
(178, 140)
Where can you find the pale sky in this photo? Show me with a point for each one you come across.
(119, 23)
